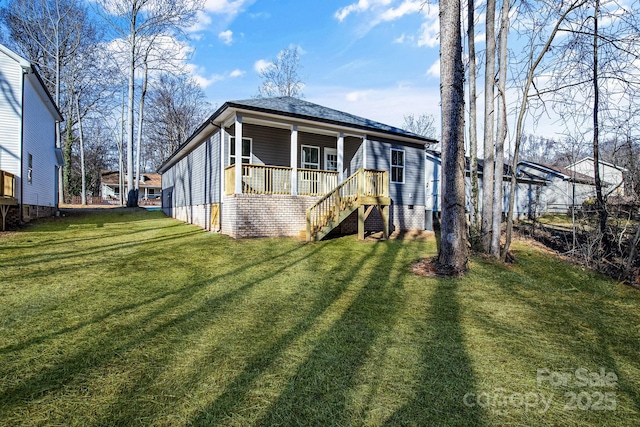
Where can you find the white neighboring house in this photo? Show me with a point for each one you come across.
(564, 189)
(612, 176)
(528, 187)
(29, 159)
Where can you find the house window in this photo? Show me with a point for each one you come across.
(30, 169)
(246, 150)
(397, 166)
(310, 157)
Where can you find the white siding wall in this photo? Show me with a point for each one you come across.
(39, 140)
(10, 116)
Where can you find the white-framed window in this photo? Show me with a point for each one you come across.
(330, 159)
(30, 169)
(310, 157)
(397, 166)
(246, 150)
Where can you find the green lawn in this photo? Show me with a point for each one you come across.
(130, 318)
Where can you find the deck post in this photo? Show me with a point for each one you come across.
(294, 160)
(238, 186)
(361, 218)
(384, 213)
(340, 157)
(223, 184)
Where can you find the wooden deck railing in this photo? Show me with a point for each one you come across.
(261, 179)
(313, 182)
(7, 184)
(364, 182)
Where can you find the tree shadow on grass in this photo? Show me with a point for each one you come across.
(235, 394)
(318, 393)
(447, 375)
(94, 352)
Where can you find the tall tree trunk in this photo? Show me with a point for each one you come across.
(501, 136)
(131, 199)
(453, 245)
(83, 173)
(489, 145)
(143, 94)
(600, 202)
(473, 128)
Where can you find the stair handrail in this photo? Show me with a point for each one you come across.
(356, 185)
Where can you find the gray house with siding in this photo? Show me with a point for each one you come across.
(288, 167)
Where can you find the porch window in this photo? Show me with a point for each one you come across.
(397, 166)
(246, 151)
(310, 157)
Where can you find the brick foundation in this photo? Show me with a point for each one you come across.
(30, 213)
(256, 215)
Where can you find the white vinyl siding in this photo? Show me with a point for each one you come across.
(10, 116)
(39, 139)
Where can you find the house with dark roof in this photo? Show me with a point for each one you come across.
(288, 167)
(29, 159)
(527, 188)
(565, 189)
(150, 186)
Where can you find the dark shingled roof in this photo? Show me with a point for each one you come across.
(298, 108)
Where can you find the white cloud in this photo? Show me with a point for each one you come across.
(434, 70)
(406, 8)
(226, 37)
(357, 96)
(226, 7)
(205, 82)
(429, 33)
(236, 73)
(261, 65)
(360, 6)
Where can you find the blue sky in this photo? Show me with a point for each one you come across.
(374, 58)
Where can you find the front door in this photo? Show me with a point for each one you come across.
(330, 159)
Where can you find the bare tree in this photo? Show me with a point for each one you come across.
(423, 124)
(473, 127)
(135, 21)
(489, 142)
(537, 52)
(177, 105)
(280, 77)
(496, 232)
(452, 257)
(50, 33)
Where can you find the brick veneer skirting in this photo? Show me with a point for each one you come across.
(257, 215)
(30, 213)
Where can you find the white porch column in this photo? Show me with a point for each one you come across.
(238, 186)
(294, 160)
(223, 186)
(365, 142)
(340, 157)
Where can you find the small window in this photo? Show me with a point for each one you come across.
(310, 157)
(246, 151)
(30, 169)
(397, 166)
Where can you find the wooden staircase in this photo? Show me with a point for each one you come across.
(366, 187)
